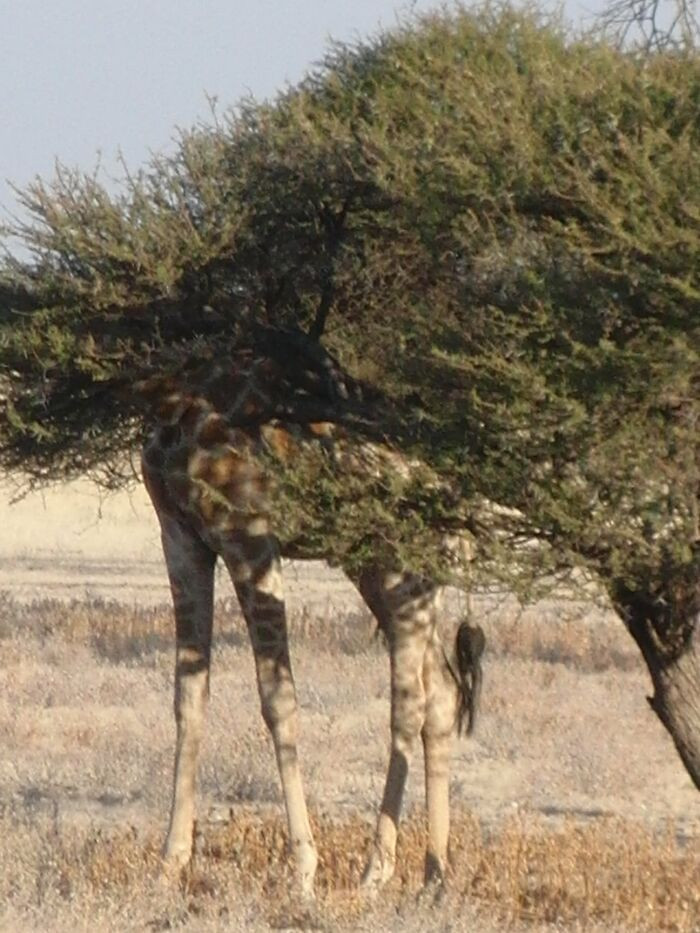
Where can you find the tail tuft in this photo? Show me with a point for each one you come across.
(469, 648)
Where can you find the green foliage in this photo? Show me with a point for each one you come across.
(493, 223)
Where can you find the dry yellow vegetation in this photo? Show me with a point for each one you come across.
(571, 811)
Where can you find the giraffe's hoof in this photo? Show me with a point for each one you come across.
(434, 871)
(434, 881)
(378, 871)
(175, 866)
(306, 895)
(306, 864)
(433, 892)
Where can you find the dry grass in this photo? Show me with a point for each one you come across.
(89, 745)
(614, 872)
(611, 875)
(119, 632)
(577, 644)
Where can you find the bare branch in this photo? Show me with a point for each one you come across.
(651, 25)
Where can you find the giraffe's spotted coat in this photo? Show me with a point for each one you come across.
(205, 470)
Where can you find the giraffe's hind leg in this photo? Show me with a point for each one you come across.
(437, 734)
(191, 570)
(254, 564)
(403, 606)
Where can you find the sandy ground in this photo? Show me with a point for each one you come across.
(79, 542)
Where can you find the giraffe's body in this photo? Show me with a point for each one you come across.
(208, 481)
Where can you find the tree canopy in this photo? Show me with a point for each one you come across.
(491, 223)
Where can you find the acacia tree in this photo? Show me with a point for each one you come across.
(495, 227)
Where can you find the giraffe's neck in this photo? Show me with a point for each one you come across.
(222, 434)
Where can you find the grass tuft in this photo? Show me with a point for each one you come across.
(612, 874)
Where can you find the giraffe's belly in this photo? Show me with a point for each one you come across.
(316, 487)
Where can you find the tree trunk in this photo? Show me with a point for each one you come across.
(676, 699)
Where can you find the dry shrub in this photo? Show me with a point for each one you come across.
(610, 871)
(610, 874)
(578, 644)
(106, 861)
(349, 633)
(115, 630)
(119, 633)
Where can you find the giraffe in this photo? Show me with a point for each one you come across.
(206, 468)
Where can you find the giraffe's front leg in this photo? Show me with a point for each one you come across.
(191, 570)
(256, 573)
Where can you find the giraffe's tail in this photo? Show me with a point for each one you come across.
(469, 648)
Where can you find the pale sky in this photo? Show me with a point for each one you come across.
(86, 77)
